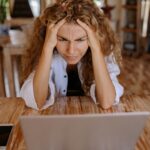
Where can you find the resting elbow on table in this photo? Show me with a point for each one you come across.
(107, 99)
(41, 97)
(40, 102)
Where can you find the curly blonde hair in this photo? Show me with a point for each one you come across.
(89, 13)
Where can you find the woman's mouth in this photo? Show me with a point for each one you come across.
(71, 59)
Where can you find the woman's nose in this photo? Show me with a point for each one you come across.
(71, 48)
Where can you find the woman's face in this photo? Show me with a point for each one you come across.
(72, 42)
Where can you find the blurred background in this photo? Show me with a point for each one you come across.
(130, 20)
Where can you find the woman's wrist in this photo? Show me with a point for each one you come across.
(48, 47)
(97, 52)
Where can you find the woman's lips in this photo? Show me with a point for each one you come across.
(71, 57)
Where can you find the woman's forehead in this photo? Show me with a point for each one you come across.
(71, 28)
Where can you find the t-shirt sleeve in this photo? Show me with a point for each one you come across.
(114, 71)
(27, 92)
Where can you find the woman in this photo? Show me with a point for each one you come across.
(73, 52)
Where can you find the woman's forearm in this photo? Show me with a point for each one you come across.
(41, 78)
(105, 90)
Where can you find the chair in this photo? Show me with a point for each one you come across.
(11, 53)
(3, 40)
(2, 87)
(10, 68)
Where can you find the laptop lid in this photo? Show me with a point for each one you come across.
(113, 131)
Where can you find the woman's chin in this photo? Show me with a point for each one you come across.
(72, 61)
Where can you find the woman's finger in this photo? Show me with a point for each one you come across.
(82, 24)
(60, 23)
(50, 25)
(93, 39)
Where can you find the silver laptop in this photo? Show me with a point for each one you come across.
(113, 131)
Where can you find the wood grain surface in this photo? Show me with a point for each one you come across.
(12, 108)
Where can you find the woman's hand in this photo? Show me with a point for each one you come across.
(51, 34)
(92, 37)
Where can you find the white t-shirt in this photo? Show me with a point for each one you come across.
(58, 81)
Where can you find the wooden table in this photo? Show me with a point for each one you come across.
(12, 108)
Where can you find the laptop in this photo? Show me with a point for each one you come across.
(111, 131)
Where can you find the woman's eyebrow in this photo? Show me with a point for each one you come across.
(62, 37)
(85, 36)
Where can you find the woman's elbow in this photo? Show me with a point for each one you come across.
(106, 106)
(107, 101)
(39, 106)
(40, 102)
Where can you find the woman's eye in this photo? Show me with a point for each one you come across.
(62, 39)
(80, 40)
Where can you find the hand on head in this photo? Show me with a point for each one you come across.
(51, 33)
(92, 36)
(52, 30)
